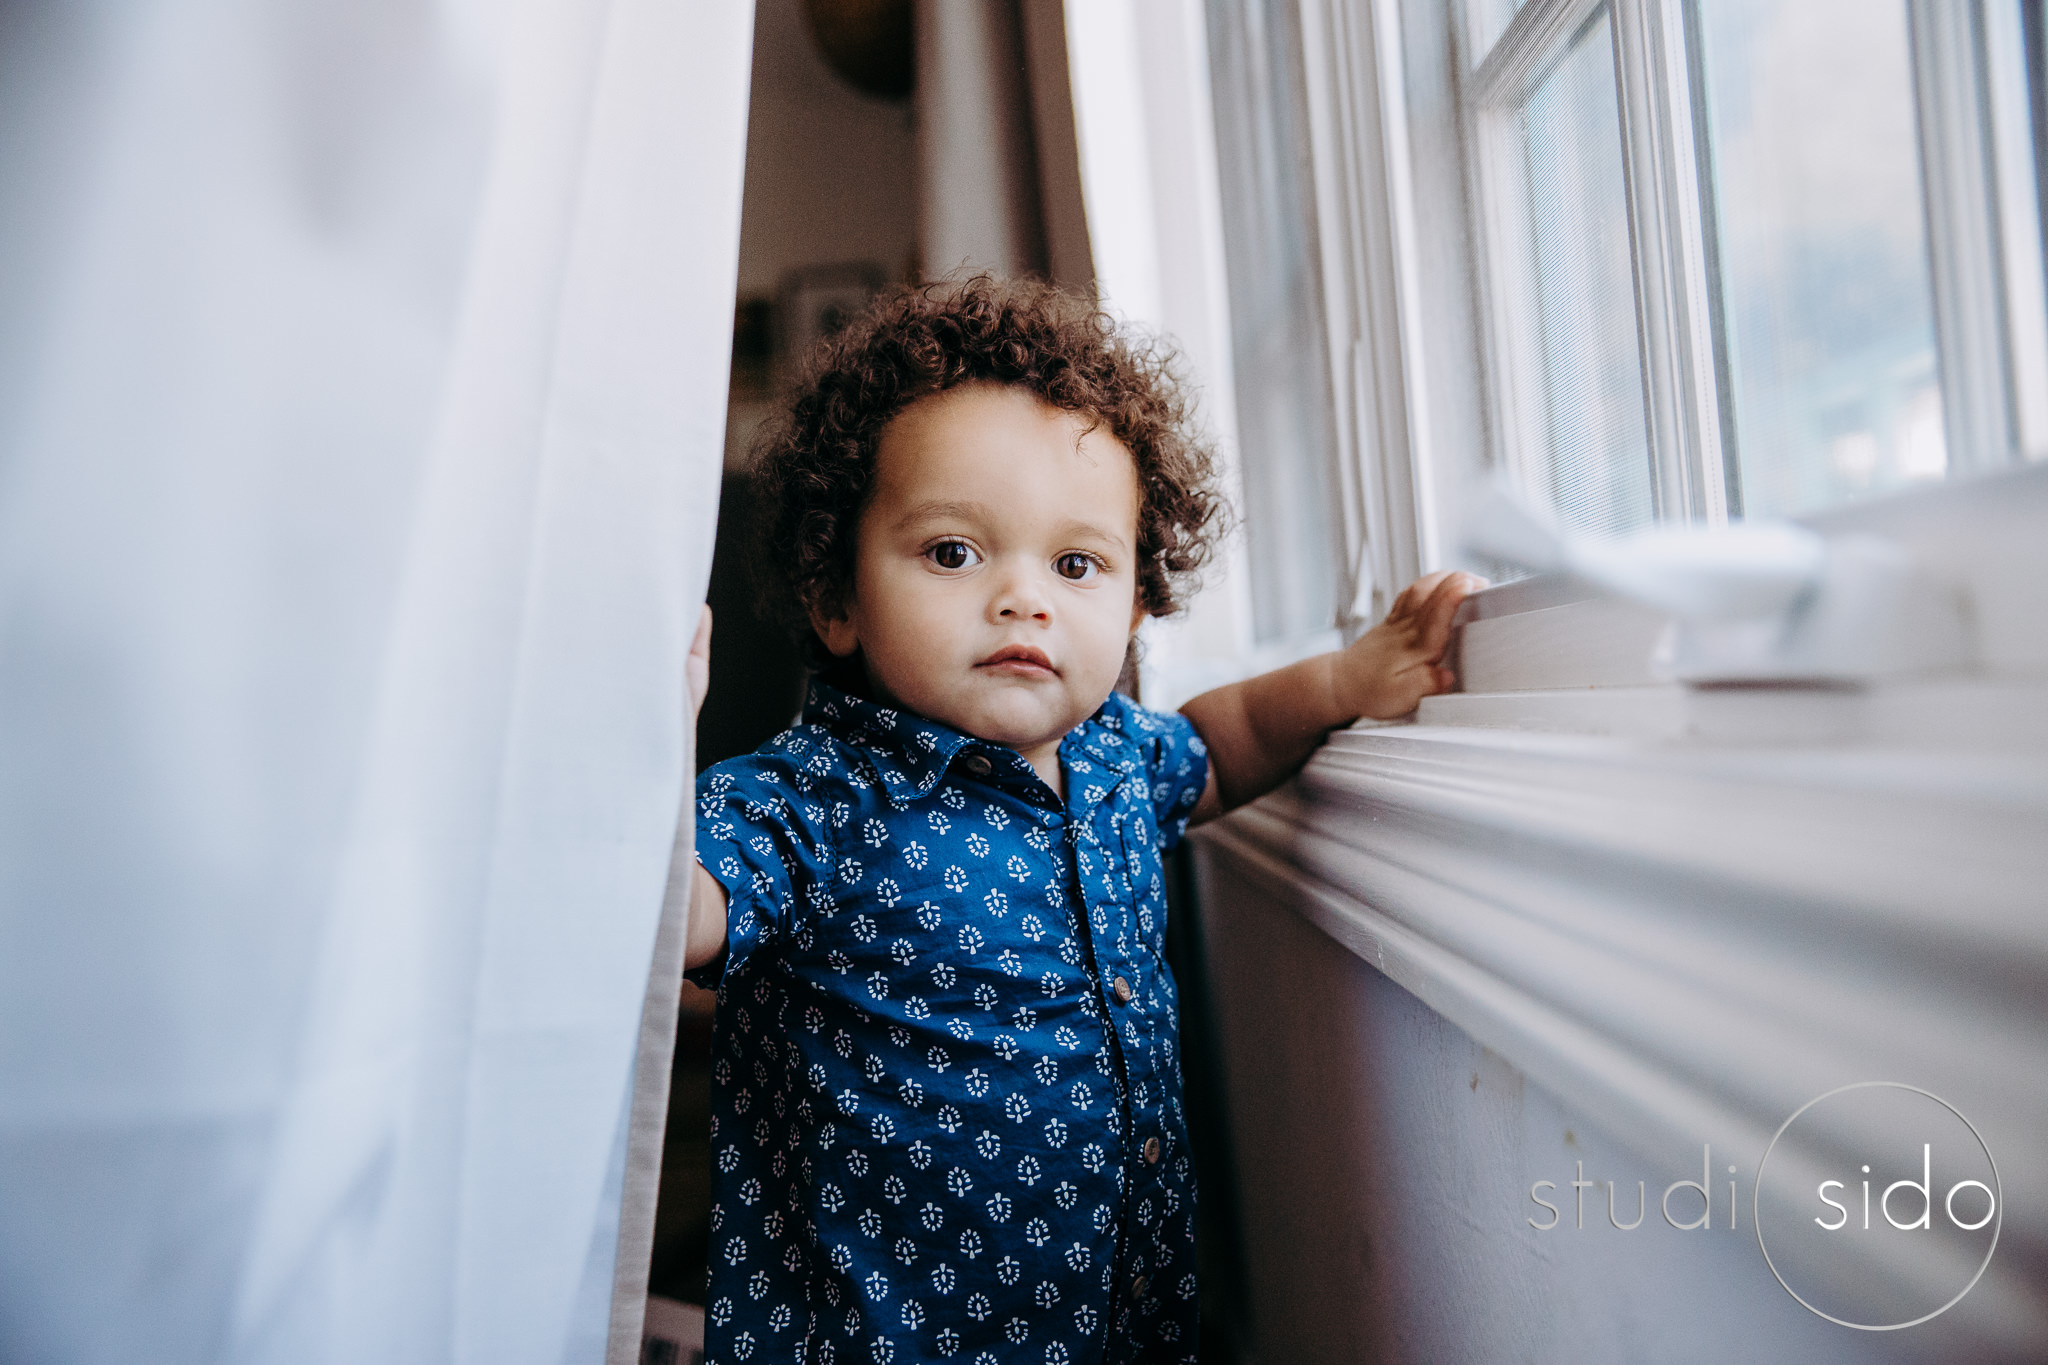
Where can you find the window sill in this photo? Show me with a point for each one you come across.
(1692, 939)
(1963, 714)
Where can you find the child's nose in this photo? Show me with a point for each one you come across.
(1020, 597)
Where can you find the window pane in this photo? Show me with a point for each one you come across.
(1278, 342)
(1490, 19)
(1580, 438)
(1827, 315)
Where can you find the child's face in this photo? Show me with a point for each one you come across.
(994, 524)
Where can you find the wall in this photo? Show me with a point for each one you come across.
(831, 173)
(1385, 1211)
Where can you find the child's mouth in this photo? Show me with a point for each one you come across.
(1021, 661)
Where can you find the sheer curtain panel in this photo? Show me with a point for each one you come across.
(362, 389)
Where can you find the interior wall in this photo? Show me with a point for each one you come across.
(1383, 1160)
(830, 180)
(831, 172)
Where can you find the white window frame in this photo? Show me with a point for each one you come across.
(1674, 334)
(1402, 487)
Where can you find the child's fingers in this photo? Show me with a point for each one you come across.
(1415, 598)
(1416, 594)
(1446, 591)
(697, 672)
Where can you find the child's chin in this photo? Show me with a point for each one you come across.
(1013, 720)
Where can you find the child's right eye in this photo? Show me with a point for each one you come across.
(953, 554)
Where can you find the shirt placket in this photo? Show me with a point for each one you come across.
(1125, 981)
(1079, 827)
(1106, 892)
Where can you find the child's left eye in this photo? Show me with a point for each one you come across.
(1076, 567)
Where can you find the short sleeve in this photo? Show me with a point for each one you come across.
(1176, 767)
(761, 832)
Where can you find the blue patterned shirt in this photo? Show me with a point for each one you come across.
(946, 1112)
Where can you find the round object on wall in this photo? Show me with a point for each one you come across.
(867, 42)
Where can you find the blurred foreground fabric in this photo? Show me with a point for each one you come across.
(362, 387)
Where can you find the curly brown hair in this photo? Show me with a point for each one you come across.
(814, 467)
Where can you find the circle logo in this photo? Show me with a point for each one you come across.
(1877, 1206)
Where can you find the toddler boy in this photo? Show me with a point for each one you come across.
(947, 1117)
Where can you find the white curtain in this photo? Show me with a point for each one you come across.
(362, 388)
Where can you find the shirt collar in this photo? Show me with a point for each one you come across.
(911, 754)
(1106, 736)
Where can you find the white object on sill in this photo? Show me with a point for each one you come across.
(1754, 603)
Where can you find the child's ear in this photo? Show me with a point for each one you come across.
(836, 629)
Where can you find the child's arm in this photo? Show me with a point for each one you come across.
(706, 936)
(1260, 731)
(707, 921)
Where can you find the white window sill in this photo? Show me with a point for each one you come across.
(1692, 909)
(1965, 714)
(1692, 940)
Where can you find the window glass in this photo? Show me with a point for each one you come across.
(1490, 19)
(1827, 321)
(1279, 347)
(1580, 438)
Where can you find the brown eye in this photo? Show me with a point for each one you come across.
(952, 554)
(1076, 567)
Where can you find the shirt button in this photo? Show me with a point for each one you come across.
(1139, 1286)
(1152, 1151)
(978, 765)
(1123, 991)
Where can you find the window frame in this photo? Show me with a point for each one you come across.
(1398, 385)
(1668, 234)
(1365, 193)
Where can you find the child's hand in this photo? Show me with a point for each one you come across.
(697, 672)
(1397, 663)
(705, 937)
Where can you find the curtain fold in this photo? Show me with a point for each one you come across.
(361, 413)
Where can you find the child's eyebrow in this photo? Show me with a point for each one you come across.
(942, 510)
(1081, 530)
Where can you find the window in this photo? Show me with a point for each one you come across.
(1752, 257)
(1832, 386)
(1679, 261)
(1659, 261)
(1572, 386)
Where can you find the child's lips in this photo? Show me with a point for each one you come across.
(1021, 661)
